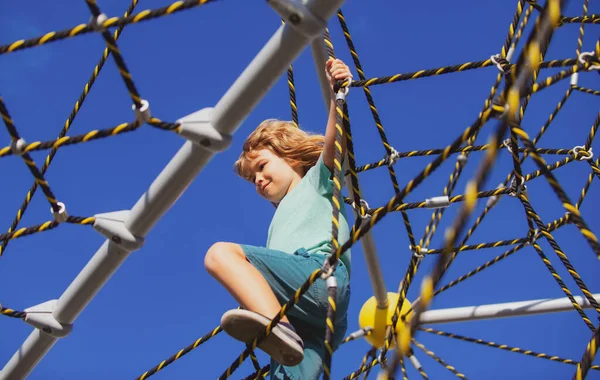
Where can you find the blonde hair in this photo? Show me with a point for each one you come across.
(295, 146)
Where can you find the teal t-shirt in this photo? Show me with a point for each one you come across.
(303, 217)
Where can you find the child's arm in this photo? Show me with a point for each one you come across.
(336, 70)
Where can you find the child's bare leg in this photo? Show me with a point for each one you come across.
(227, 263)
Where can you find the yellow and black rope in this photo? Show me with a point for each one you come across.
(375, 114)
(282, 312)
(439, 360)
(575, 214)
(39, 177)
(563, 286)
(586, 90)
(111, 43)
(180, 353)
(559, 252)
(82, 97)
(46, 226)
(341, 111)
(591, 19)
(82, 29)
(520, 76)
(71, 140)
(568, 62)
(588, 356)
(550, 227)
(588, 183)
(504, 347)
(465, 149)
(12, 313)
(260, 374)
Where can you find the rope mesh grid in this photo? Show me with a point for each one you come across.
(504, 107)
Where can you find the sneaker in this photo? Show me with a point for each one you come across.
(283, 344)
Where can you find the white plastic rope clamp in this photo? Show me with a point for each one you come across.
(506, 144)
(574, 79)
(327, 269)
(583, 61)
(533, 236)
(363, 206)
(142, 114)
(437, 202)
(331, 282)
(418, 251)
(494, 58)
(18, 147)
(517, 189)
(393, 157)
(97, 23)
(581, 154)
(61, 215)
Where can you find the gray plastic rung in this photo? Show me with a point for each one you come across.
(40, 316)
(198, 128)
(299, 17)
(438, 202)
(112, 226)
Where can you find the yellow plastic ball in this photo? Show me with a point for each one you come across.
(378, 319)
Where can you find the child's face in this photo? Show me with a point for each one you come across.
(272, 175)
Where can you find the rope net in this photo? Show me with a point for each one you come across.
(521, 63)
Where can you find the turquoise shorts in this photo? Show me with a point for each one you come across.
(285, 273)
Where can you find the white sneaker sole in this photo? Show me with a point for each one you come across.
(245, 325)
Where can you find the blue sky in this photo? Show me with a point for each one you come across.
(162, 299)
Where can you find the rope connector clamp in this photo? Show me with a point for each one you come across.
(363, 206)
(574, 79)
(437, 202)
(532, 238)
(393, 157)
(581, 154)
(299, 16)
(40, 316)
(331, 282)
(18, 147)
(198, 128)
(584, 61)
(61, 215)
(506, 144)
(498, 61)
(517, 188)
(343, 91)
(418, 251)
(327, 270)
(97, 23)
(112, 226)
(142, 114)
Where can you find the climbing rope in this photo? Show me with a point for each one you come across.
(506, 106)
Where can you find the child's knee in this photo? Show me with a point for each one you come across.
(220, 255)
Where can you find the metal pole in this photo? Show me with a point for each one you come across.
(503, 310)
(367, 242)
(235, 105)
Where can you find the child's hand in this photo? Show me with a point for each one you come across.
(337, 70)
